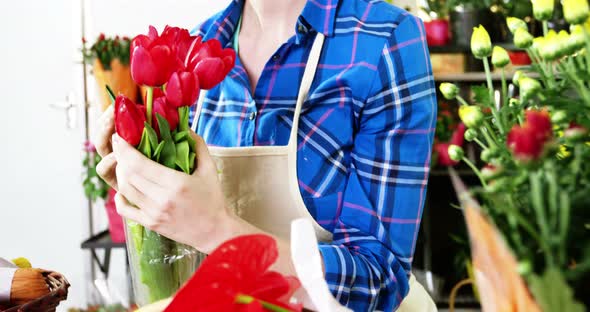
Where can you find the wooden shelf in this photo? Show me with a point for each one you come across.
(459, 49)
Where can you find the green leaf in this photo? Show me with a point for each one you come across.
(183, 113)
(111, 93)
(153, 137)
(191, 161)
(180, 136)
(168, 154)
(164, 128)
(553, 293)
(144, 145)
(481, 95)
(182, 156)
(158, 151)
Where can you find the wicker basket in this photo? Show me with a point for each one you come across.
(58, 286)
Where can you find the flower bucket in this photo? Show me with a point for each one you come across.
(118, 78)
(116, 228)
(159, 266)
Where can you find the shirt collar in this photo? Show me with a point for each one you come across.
(320, 15)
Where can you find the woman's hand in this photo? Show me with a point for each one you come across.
(190, 209)
(106, 167)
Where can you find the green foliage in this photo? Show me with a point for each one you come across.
(553, 293)
(107, 49)
(94, 186)
(439, 8)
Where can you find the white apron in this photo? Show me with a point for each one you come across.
(260, 182)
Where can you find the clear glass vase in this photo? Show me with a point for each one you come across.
(159, 266)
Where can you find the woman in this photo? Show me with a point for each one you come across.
(329, 114)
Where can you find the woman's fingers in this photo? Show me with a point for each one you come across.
(135, 163)
(128, 211)
(205, 163)
(106, 128)
(106, 169)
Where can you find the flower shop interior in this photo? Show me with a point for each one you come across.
(506, 218)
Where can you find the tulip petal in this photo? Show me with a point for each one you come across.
(143, 68)
(210, 71)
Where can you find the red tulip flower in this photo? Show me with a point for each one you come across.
(152, 59)
(235, 277)
(181, 41)
(129, 120)
(169, 112)
(182, 89)
(210, 62)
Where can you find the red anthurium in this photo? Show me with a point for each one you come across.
(235, 277)
(211, 63)
(182, 89)
(169, 112)
(152, 59)
(129, 120)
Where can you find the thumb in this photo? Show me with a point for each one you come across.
(204, 163)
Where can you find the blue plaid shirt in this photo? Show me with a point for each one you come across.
(365, 134)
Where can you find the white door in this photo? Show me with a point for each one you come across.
(43, 212)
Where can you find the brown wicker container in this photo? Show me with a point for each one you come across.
(58, 286)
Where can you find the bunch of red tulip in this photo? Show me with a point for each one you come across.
(173, 66)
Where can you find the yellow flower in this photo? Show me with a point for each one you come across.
(449, 90)
(481, 44)
(456, 153)
(516, 78)
(543, 9)
(565, 44)
(515, 23)
(575, 11)
(522, 38)
(550, 48)
(471, 116)
(577, 39)
(22, 263)
(500, 57)
(528, 87)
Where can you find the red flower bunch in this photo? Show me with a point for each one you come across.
(236, 277)
(528, 141)
(174, 66)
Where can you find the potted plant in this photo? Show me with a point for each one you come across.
(466, 15)
(437, 29)
(110, 59)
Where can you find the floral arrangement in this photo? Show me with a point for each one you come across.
(173, 67)
(106, 49)
(94, 186)
(535, 148)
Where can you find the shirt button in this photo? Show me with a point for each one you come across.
(252, 115)
(275, 57)
(301, 29)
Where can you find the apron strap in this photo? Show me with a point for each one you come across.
(308, 75)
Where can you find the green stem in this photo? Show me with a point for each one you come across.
(564, 209)
(475, 170)
(486, 65)
(587, 52)
(480, 143)
(545, 28)
(149, 104)
(492, 133)
(504, 89)
(245, 299)
(537, 203)
(487, 137)
(513, 222)
(462, 100)
(570, 71)
(551, 177)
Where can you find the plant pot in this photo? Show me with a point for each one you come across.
(159, 266)
(437, 32)
(116, 228)
(519, 58)
(118, 78)
(464, 20)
